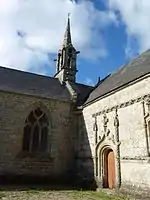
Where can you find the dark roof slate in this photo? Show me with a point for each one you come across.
(133, 70)
(82, 91)
(32, 84)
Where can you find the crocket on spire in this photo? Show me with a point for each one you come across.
(67, 37)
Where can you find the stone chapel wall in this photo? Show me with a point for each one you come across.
(129, 106)
(14, 109)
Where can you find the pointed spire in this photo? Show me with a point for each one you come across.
(67, 37)
(66, 68)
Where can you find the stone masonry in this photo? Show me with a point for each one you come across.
(130, 103)
(14, 110)
(100, 135)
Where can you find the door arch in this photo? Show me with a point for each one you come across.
(109, 169)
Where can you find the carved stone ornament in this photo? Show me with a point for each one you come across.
(108, 140)
(116, 120)
(146, 115)
(147, 101)
(111, 137)
(145, 98)
(105, 122)
(95, 126)
(95, 129)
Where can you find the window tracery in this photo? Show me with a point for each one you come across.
(35, 133)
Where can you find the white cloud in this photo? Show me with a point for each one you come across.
(30, 29)
(136, 16)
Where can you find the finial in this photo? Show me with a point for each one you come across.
(69, 15)
(99, 80)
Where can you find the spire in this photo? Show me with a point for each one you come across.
(66, 68)
(67, 37)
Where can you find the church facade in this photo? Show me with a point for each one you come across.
(58, 129)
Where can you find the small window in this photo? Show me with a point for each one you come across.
(35, 133)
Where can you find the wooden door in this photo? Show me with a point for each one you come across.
(111, 170)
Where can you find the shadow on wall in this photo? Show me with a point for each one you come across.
(81, 173)
(84, 163)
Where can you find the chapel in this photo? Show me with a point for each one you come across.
(58, 130)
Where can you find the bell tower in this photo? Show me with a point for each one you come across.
(66, 59)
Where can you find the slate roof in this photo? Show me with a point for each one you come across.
(42, 86)
(133, 70)
(17, 81)
(32, 84)
(82, 91)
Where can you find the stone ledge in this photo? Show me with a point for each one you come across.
(136, 159)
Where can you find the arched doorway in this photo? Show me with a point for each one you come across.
(109, 169)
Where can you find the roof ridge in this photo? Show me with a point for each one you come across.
(26, 72)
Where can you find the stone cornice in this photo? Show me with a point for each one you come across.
(122, 105)
(136, 158)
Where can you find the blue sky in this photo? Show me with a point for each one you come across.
(108, 33)
(116, 40)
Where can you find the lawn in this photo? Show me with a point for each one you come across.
(34, 194)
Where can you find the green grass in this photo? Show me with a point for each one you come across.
(95, 195)
(60, 194)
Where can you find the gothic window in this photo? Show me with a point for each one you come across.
(35, 133)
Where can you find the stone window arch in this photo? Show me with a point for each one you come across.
(102, 148)
(35, 132)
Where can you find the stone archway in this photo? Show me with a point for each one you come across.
(109, 176)
(108, 149)
(107, 154)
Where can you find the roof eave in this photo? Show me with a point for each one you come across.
(116, 90)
